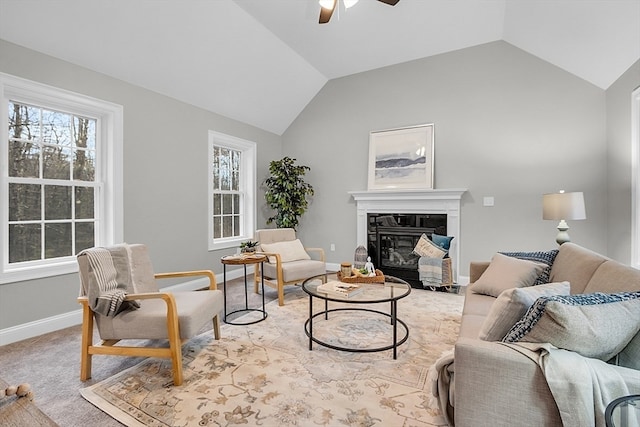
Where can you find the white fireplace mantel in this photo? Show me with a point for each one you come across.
(445, 201)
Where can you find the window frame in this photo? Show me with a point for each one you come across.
(109, 170)
(635, 181)
(248, 174)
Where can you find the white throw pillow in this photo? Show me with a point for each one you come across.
(427, 248)
(512, 304)
(291, 250)
(505, 272)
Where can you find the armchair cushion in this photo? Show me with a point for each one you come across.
(195, 308)
(296, 270)
(291, 250)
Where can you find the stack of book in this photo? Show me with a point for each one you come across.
(339, 289)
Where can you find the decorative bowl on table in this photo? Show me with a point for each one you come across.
(378, 278)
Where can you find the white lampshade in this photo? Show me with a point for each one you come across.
(563, 206)
(327, 4)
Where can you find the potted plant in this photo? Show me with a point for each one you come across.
(248, 246)
(287, 192)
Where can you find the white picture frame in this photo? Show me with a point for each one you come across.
(401, 158)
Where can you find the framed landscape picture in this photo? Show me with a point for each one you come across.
(401, 158)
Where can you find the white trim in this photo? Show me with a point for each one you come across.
(248, 185)
(73, 318)
(109, 169)
(635, 178)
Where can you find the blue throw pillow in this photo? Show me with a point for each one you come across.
(443, 241)
(545, 257)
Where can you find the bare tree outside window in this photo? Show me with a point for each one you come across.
(52, 170)
(226, 192)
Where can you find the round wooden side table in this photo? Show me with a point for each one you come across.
(244, 260)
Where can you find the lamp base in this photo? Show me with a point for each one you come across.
(563, 236)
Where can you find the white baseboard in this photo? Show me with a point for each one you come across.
(72, 318)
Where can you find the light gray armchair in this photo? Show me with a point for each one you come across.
(174, 316)
(288, 262)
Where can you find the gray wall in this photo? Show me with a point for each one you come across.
(507, 124)
(619, 163)
(165, 178)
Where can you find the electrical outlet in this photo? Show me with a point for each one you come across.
(488, 201)
(333, 247)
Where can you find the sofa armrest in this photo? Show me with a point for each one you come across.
(496, 385)
(476, 268)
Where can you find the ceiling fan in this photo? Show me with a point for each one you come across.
(328, 6)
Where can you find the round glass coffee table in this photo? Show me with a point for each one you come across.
(389, 292)
(623, 412)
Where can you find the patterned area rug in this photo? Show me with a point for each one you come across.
(264, 374)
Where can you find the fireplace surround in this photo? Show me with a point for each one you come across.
(399, 204)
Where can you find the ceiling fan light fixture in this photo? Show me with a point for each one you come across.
(349, 3)
(327, 4)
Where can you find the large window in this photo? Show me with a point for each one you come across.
(61, 178)
(232, 171)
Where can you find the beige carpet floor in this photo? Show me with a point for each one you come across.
(50, 362)
(264, 374)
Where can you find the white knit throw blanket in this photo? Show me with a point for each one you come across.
(109, 280)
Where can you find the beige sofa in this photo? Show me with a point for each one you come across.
(492, 384)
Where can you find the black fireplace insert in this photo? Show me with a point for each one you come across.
(392, 237)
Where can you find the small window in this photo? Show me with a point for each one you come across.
(61, 183)
(232, 171)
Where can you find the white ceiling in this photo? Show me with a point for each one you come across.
(262, 61)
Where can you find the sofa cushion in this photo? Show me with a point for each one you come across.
(291, 250)
(506, 272)
(477, 303)
(576, 265)
(427, 248)
(613, 276)
(594, 325)
(544, 257)
(629, 357)
(512, 304)
(470, 325)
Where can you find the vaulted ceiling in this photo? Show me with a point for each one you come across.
(262, 61)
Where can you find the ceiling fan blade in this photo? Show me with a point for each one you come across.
(325, 14)
(390, 2)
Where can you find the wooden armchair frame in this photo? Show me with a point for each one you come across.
(174, 352)
(279, 283)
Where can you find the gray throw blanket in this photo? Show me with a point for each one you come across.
(442, 386)
(109, 280)
(582, 387)
(434, 271)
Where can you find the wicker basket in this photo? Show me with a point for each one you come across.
(378, 278)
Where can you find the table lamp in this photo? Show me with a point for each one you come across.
(563, 206)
